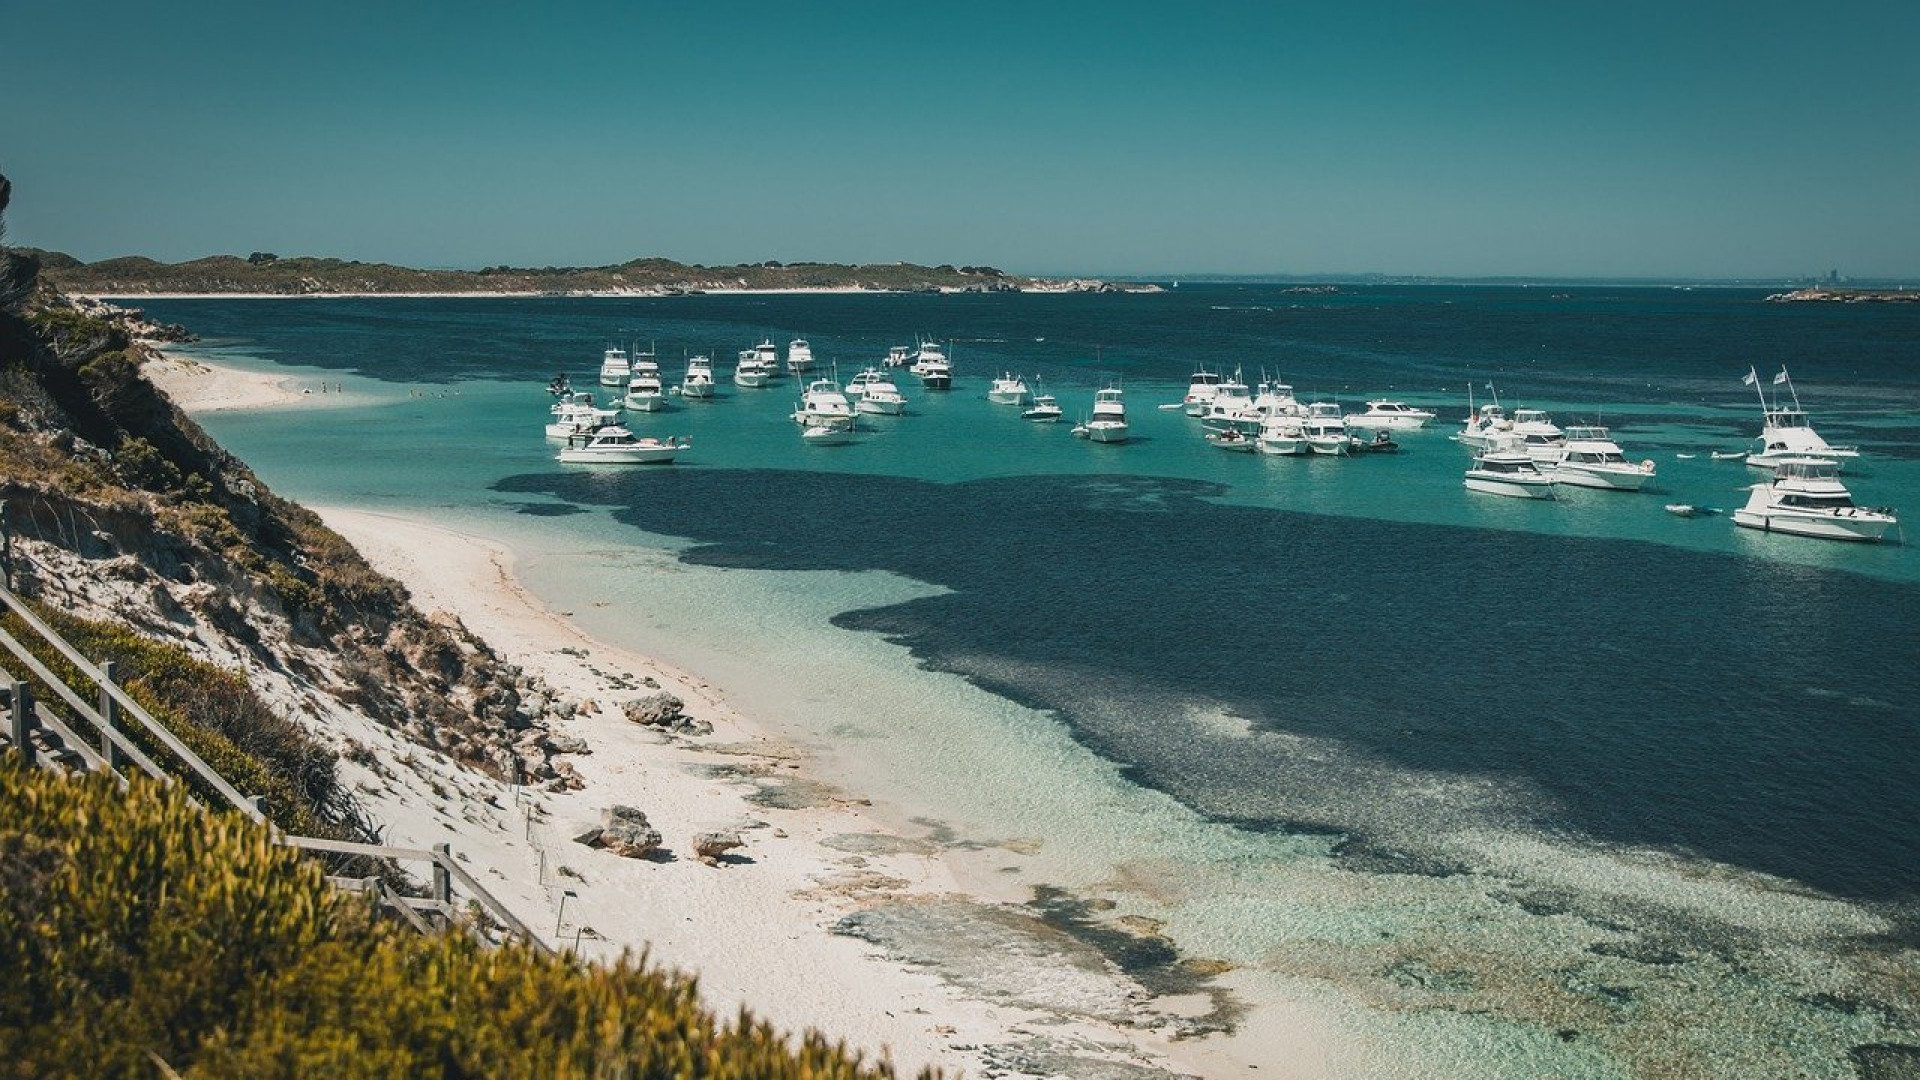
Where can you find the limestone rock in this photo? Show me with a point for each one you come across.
(710, 846)
(655, 710)
(627, 832)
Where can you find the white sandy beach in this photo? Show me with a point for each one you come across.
(757, 930)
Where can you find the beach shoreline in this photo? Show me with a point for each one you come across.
(768, 928)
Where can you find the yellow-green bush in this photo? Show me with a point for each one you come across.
(135, 924)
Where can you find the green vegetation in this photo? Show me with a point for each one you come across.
(136, 929)
(264, 272)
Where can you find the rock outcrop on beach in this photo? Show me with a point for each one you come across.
(115, 506)
(624, 831)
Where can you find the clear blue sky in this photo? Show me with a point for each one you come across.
(1590, 139)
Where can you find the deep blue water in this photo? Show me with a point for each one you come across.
(1699, 696)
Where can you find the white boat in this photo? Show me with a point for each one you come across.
(873, 392)
(1231, 406)
(1275, 398)
(899, 356)
(1736, 455)
(614, 367)
(577, 413)
(1538, 435)
(1234, 439)
(1045, 409)
(799, 355)
(615, 445)
(1109, 421)
(1806, 498)
(644, 392)
(932, 366)
(1786, 432)
(1509, 472)
(1200, 392)
(1284, 435)
(1590, 458)
(825, 435)
(750, 371)
(1326, 429)
(823, 405)
(560, 386)
(1387, 415)
(698, 382)
(1009, 389)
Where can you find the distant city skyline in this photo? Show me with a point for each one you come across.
(1630, 140)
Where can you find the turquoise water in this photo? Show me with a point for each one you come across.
(1578, 786)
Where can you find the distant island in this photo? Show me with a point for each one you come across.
(266, 274)
(1846, 296)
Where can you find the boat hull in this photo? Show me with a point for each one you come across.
(1629, 479)
(1107, 433)
(1008, 397)
(881, 407)
(1516, 489)
(647, 402)
(1841, 526)
(751, 382)
(1386, 423)
(637, 455)
(1336, 446)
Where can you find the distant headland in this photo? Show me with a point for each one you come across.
(1846, 296)
(268, 275)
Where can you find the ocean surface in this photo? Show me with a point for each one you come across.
(1575, 788)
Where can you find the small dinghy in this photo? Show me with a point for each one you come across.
(1686, 457)
(1737, 455)
(1690, 510)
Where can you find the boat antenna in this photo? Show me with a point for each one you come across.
(1783, 378)
(1760, 391)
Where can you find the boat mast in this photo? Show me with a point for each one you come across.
(1783, 378)
(1754, 378)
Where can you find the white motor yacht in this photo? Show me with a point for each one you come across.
(1231, 406)
(1275, 398)
(1009, 389)
(823, 405)
(932, 366)
(1592, 459)
(1234, 439)
(697, 384)
(899, 356)
(1109, 421)
(1786, 432)
(1486, 428)
(614, 367)
(873, 392)
(1200, 392)
(749, 371)
(578, 412)
(1806, 498)
(1386, 415)
(1509, 472)
(799, 355)
(644, 392)
(1284, 435)
(1045, 408)
(1538, 435)
(615, 445)
(1326, 429)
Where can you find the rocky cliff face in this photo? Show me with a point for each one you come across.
(117, 505)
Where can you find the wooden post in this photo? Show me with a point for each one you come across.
(109, 717)
(23, 721)
(443, 880)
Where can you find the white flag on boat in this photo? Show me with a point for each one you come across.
(1780, 378)
(1749, 378)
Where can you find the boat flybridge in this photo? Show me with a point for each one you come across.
(578, 412)
(1537, 434)
(1592, 459)
(614, 367)
(899, 356)
(644, 391)
(1786, 432)
(1806, 498)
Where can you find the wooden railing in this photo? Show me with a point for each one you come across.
(110, 747)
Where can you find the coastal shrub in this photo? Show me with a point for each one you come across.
(142, 466)
(135, 924)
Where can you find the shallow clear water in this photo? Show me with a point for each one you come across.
(1580, 785)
